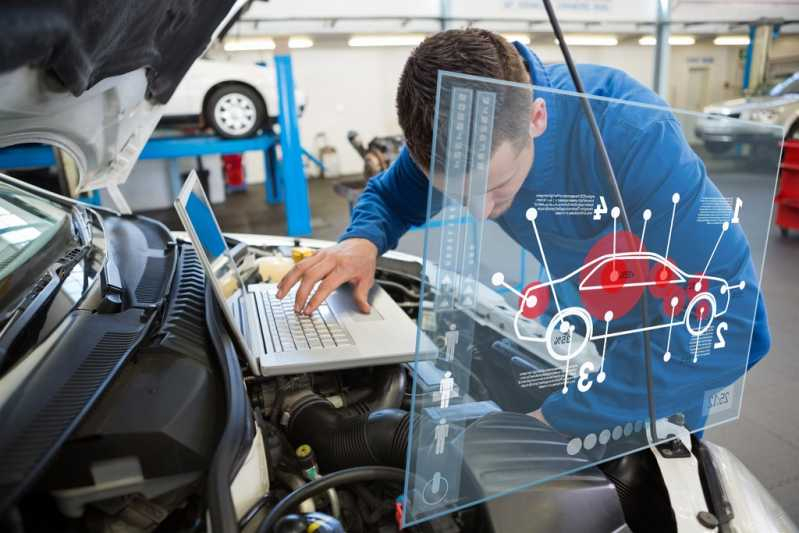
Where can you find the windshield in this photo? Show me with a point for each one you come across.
(34, 232)
(27, 224)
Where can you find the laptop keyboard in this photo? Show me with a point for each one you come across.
(289, 331)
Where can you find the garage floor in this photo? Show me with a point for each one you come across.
(765, 438)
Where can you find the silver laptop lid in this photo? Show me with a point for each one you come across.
(198, 219)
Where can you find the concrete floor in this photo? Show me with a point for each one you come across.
(765, 438)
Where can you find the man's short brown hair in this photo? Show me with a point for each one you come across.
(472, 51)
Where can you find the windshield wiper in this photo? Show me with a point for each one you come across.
(39, 296)
(81, 225)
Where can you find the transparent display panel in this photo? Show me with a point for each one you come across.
(545, 306)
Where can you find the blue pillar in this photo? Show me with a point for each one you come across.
(748, 60)
(273, 184)
(298, 212)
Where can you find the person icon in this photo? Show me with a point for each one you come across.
(445, 388)
(450, 340)
(441, 432)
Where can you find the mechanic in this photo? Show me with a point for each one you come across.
(652, 161)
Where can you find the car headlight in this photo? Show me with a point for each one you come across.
(753, 507)
(769, 116)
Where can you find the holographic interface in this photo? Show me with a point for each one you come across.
(544, 307)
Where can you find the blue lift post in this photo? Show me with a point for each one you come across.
(173, 147)
(748, 59)
(298, 213)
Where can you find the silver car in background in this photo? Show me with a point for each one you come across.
(777, 104)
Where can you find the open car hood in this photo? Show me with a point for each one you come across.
(89, 76)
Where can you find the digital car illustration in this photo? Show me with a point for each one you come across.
(610, 286)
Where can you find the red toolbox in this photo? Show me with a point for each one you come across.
(787, 198)
(233, 167)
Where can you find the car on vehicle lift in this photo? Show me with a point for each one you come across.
(125, 403)
(774, 103)
(235, 100)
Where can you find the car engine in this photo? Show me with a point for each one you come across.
(139, 460)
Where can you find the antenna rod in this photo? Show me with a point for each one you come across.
(616, 194)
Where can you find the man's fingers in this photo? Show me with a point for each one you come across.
(331, 283)
(309, 279)
(294, 275)
(361, 294)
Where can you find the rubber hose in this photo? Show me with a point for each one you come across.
(340, 441)
(313, 488)
(388, 395)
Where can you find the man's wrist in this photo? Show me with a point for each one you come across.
(367, 238)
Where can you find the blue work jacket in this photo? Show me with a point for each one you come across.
(652, 161)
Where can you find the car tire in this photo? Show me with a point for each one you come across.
(717, 148)
(235, 111)
(793, 132)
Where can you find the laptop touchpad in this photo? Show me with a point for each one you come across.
(344, 305)
(357, 316)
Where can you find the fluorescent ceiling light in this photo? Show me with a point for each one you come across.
(731, 40)
(242, 44)
(674, 40)
(386, 40)
(300, 42)
(681, 40)
(590, 40)
(521, 37)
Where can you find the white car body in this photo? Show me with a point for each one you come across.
(205, 75)
(780, 109)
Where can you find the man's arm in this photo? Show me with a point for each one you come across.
(392, 202)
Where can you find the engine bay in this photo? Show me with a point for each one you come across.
(140, 459)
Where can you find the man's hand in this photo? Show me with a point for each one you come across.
(353, 260)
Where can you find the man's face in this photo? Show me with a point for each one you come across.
(510, 166)
(508, 169)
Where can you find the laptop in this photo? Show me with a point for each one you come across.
(278, 341)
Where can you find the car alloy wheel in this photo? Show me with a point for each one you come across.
(235, 114)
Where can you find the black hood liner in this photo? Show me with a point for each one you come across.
(82, 42)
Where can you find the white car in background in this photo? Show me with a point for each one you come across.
(236, 100)
(776, 104)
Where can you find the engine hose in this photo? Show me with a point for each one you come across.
(388, 394)
(340, 440)
(361, 474)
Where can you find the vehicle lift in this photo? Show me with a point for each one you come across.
(285, 175)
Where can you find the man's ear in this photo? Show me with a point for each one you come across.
(538, 118)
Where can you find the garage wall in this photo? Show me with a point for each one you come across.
(354, 88)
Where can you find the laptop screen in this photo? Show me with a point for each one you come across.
(203, 224)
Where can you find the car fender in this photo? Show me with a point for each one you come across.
(791, 118)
